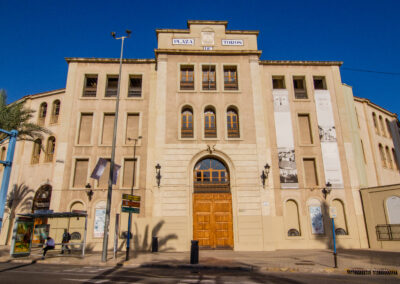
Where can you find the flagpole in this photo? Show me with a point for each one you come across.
(110, 177)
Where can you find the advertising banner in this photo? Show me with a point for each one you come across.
(99, 220)
(284, 140)
(327, 135)
(22, 238)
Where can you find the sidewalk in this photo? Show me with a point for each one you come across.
(314, 261)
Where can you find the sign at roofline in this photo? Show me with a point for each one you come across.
(183, 41)
(232, 42)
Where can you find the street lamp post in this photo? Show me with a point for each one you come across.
(128, 237)
(110, 177)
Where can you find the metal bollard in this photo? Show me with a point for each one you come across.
(194, 252)
(154, 244)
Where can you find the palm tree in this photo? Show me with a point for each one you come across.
(17, 116)
(20, 197)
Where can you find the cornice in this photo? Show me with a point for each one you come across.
(301, 63)
(207, 52)
(109, 60)
(375, 106)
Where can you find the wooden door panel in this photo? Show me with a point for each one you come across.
(212, 220)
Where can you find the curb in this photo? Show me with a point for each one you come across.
(199, 266)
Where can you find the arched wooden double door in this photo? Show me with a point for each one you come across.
(212, 205)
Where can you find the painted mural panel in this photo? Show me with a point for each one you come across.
(327, 135)
(317, 222)
(284, 140)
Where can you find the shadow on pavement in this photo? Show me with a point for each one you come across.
(18, 266)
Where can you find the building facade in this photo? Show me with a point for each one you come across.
(246, 146)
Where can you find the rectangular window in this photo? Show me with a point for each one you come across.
(319, 83)
(187, 77)
(112, 86)
(103, 181)
(90, 88)
(230, 78)
(305, 129)
(132, 128)
(80, 173)
(108, 128)
(310, 172)
(278, 82)
(209, 78)
(128, 179)
(135, 86)
(85, 128)
(300, 91)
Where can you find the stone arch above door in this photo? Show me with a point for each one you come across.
(42, 198)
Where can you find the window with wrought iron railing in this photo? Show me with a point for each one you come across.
(230, 78)
(187, 77)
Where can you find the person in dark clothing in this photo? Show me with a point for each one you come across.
(49, 245)
(65, 240)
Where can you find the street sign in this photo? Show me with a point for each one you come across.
(130, 209)
(131, 197)
(128, 203)
(332, 212)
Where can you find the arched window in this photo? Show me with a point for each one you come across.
(393, 209)
(37, 148)
(56, 111)
(375, 123)
(232, 118)
(382, 154)
(77, 225)
(396, 162)
(210, 123)
(292, 220)
(51, 147)
(388, 128)
(211, 173)
(389, 158)
(3, 154)
(42, 113)
(316, 217)
(382, 125)
(187, 123)
(340, 220)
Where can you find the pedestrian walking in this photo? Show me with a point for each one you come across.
(65, 240)
(48, 246)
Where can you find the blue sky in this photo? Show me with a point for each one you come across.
(37, 35)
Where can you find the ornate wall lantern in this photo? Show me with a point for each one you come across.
(327, 189)
(158, 174)
(265, 173)
(89, 191)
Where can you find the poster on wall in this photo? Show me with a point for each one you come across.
(327, 136)
(22, 238)
(99, 221)
(317, 222)
(40, 233)
(284, 140)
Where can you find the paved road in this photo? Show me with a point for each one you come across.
(60, 274)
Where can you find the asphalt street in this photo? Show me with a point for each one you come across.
(59, 274)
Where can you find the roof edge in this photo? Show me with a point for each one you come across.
(108, 60)
(367, 101)
(301, 62)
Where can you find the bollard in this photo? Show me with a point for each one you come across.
(154, 244)
(194, 252)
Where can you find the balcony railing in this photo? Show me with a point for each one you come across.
(89, 92)
(300, 94)
(210, 132)
(389, 232)
(187, 133)
(187, 85)
(209, 85)
(233, 133)
(231, 85)
(135, 92)
(111, 92)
